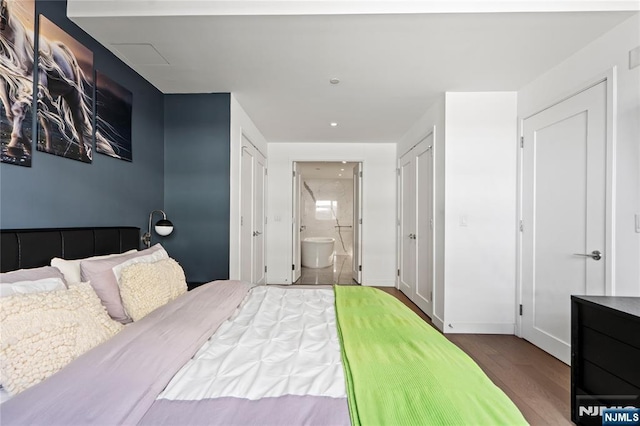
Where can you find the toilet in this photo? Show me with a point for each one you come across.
(317, 252)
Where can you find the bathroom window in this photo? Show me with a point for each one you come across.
(325, 209)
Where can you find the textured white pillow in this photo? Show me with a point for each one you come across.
(71, 268)
(147, 286)
(38, 286)
(153, 257)
(104, 274)
(43, 332)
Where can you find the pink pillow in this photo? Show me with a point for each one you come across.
(33, 274)
(101, 274)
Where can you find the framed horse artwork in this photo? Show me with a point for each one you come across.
(113, 118)
(16, 80)
(65, 94)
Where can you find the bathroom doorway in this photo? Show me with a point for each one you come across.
(327, 223)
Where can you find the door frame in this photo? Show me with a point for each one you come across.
(349, 159)
(610, 77)
(296, 255)
(356, 237)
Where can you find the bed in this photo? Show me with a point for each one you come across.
(231, 353)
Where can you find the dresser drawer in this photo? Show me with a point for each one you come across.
(611, 323)
(597, 381)
(605, 354)
(617, 358)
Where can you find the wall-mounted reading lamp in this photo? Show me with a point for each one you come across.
(163, 228)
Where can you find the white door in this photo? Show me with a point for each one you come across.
(407, 229)
(259, 219)
(424, 226)
(296, 225)
(246, 211)
(563, 214)
(357, 223)
(253, 214)
(415, 224)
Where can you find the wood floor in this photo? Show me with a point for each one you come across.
(536, 382)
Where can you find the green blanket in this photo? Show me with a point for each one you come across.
(401, 371)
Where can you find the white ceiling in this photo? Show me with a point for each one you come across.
(392, 67)
(325, 169)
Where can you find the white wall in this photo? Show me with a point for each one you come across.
(475, 172)
(379, 192)
(433, 121)
(480, 212)
(240, 124)
(612, 49)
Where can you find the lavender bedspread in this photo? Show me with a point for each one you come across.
(117, 382)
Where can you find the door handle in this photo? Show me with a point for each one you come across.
(302, 228)
(595, 255)
(412, 236)
(256, 233)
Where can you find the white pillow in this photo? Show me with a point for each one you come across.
(38, 286)
(145, 287)
(71, 268)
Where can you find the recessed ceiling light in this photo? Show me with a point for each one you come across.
(339, 174)
(342, 170)
(334, 80)
(344, 162)
(334, 124)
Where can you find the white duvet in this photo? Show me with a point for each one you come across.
(279, 342)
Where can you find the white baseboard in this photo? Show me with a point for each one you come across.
(379, 283)
(479, 328)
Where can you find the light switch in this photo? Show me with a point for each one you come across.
(464, 221)
(638, 223)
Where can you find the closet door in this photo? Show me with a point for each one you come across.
(407, 230)
(259, 219)
(253, 214)
(424, 226)
(415, 224)
(246, 212)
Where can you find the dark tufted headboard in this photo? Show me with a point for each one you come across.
(30, 248)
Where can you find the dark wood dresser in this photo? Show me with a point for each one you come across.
(605, 355)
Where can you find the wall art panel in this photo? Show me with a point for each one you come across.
(65, 94)
(16, 81)
(113, 118)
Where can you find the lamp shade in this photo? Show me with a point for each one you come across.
(163, 227)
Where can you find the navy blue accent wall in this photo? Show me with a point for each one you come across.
(197, 179)
(58, 192)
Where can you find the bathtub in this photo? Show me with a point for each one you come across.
(317, 252)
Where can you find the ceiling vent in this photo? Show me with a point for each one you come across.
(140, 53)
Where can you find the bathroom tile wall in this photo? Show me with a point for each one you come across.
(327, 211)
